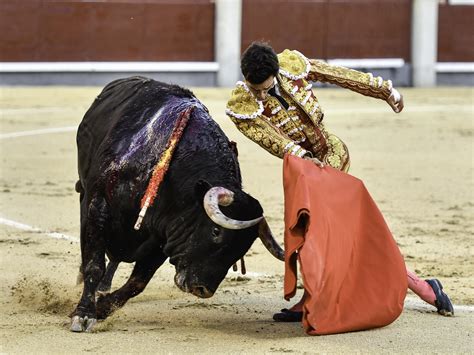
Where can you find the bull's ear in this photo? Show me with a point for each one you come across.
(200, 189)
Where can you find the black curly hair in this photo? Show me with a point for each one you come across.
(258, 62)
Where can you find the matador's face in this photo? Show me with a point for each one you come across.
(261, 90)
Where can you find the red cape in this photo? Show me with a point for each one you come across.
(351, 266)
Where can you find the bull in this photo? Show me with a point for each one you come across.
(202, 220)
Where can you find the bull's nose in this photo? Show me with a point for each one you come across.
(179, 281)
(201, 291)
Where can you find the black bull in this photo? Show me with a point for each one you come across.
(201, 220)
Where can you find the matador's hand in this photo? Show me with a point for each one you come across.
(395, 101)
(314, 160)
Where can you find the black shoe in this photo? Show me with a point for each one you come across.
(288, 316)
(442, 303)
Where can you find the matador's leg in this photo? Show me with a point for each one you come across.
(430, 291)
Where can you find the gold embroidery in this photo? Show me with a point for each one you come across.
(293, 64)
(303, 98)
(288, 122)
(242, 104)
(338, 154)
(264, 134)
(360, 82)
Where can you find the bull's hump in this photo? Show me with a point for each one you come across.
(149, 138)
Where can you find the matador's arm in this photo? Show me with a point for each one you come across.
(268, 137)
(363, 83)
(247, 114)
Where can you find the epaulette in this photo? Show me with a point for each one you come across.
(243, 104)
(293, 64)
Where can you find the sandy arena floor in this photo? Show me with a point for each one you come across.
(418, 167)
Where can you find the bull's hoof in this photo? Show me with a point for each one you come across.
(79, 324)
(104, 305)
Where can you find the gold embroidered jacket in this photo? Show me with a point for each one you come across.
(299, 130)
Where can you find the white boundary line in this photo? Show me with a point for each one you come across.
(375, 63)
(107, 67)
(413, 303)
(461, 2)
(173, 67)
(449, 67)
(38, 132)
(335, 111)
(415, 109)
(28, 228)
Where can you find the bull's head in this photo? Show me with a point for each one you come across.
(233, 222)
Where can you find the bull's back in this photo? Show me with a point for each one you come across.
(122, 109)
(102, 117)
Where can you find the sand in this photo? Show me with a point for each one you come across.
(417, 165)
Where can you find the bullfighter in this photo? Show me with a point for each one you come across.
(276, 108)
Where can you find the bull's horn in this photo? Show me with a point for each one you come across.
(266, 236)
(221, 196)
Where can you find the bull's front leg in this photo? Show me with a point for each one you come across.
(93, 263)
(142, 273)
(106, 283)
